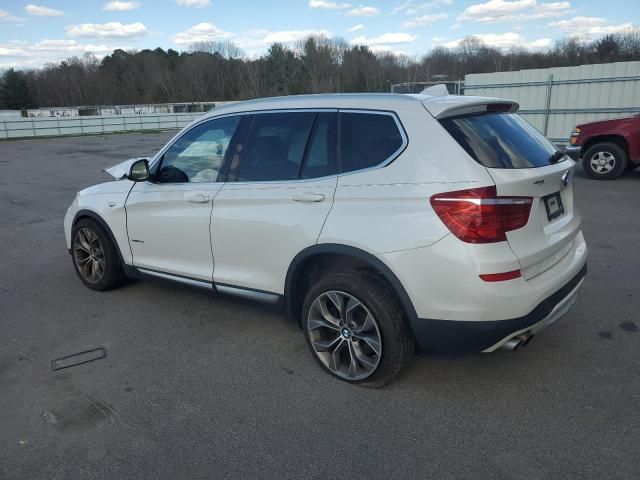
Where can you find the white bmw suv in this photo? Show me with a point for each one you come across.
(378, 221)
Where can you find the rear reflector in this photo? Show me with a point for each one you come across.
(479, 215)
(500, 277)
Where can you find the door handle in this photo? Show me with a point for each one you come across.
(198, 198)
(308, 197)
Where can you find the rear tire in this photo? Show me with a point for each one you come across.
(94, 256)
(604, 161)
(355, 328)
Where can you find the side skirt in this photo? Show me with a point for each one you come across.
(247, 293)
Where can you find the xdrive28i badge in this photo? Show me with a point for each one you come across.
(566, 179)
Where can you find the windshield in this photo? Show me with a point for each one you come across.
(500, 140)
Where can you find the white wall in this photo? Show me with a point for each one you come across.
(575, 96)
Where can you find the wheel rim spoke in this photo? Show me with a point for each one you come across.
(372, 341)
(327, 345)
(344, 335)
(602, 162)
(88, 255)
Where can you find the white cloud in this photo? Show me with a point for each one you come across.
(590, 27)
(7, 17)
(202, 32)
(254, 40)
(194, 3)
(424, 20)
(324, 5)
(385, 39)
(43, 11)
(455, 26)
(20, 54)
(539, 43)
(498, 40)
(107, 30)
(361, 11)
(413, 8)
(356, 28)
(120, 6)
(512, 11)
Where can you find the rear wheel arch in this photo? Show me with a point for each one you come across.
(319, 260)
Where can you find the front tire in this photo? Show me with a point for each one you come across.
(355, 328)
(605, 161)
(95, 258)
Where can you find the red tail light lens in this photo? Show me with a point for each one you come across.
(479, 215)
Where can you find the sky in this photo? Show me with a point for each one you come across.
(35, 32)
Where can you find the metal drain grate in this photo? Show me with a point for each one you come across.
(78, 358)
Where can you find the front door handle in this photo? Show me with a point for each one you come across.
(308, 197)
(198, 198)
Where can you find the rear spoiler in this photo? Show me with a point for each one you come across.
(456, 105)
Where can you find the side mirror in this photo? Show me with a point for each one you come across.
(139, 171)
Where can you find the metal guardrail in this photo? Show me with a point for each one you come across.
(63, 126)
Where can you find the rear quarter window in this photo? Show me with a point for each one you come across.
(500, 140)
(367, 139)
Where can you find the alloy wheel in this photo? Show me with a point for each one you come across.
(602, 162)
(88, 255)
(344, 335)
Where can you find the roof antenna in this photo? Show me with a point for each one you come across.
(439, 90)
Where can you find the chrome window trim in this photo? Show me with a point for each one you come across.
(384, 163)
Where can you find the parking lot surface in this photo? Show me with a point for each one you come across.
(197, 385)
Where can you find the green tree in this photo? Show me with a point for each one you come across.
(15, 93)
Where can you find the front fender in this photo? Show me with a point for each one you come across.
(106, 205)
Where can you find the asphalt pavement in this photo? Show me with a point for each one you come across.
(196, 385)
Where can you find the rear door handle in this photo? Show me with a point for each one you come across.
(308, 197)
(198, 198)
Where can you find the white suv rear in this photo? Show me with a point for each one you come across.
(378, 221)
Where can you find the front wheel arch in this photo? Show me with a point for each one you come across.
(97, 218)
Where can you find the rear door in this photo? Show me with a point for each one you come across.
(278, 193)
(522, 162)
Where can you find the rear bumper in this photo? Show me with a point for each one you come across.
(486, 336)
(573, 151)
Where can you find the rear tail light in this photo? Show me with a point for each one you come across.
(479, 215)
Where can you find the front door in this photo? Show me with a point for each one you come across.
(278, 194)
(168, 217)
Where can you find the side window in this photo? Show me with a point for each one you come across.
(198, 155)
(367, 139)
(321, 152)
(274, 148)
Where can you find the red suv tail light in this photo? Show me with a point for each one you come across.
(479, 215)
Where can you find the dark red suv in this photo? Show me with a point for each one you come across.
(608, 147)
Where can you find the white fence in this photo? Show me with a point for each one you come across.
(555, 100)
(53, 127)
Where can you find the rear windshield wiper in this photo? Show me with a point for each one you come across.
(557, 155)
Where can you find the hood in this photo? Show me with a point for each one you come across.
(121, 170)
(608, 121)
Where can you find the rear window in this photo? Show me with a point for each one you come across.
(500, 140)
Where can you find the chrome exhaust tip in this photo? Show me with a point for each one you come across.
(512, 344)
(516, 342)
